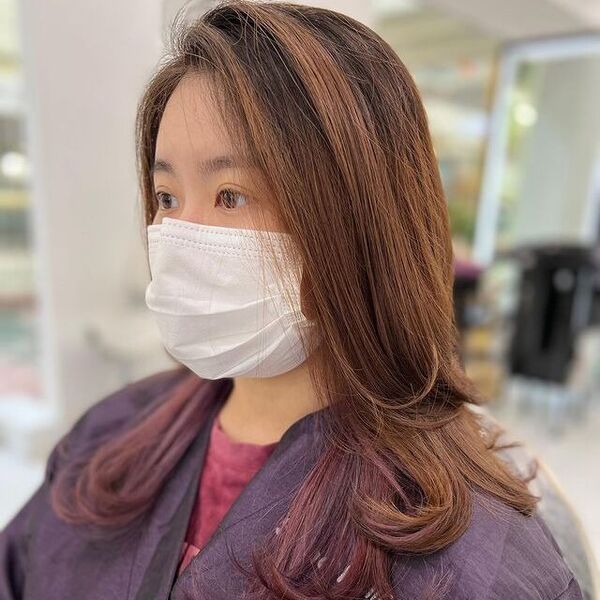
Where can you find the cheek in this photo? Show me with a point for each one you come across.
(270, 220)
(272, 223)
(258, 217)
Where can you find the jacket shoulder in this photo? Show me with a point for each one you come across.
(107, 416)
(102, 419)
(502, 555)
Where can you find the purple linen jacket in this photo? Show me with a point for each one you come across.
(502, 555)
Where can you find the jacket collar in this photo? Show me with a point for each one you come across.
(256, 512)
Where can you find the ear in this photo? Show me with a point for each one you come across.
(307, 299)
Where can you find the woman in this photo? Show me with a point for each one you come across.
(316, 441)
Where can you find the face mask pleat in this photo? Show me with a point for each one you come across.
(219, 303)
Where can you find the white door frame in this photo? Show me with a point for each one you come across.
(513, 55)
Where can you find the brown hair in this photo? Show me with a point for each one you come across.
(333, 118)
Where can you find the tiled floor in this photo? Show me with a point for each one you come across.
(573, 455)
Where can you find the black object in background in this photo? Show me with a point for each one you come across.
(555, 300)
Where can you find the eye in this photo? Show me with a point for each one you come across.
(165, 201)
(230, 199)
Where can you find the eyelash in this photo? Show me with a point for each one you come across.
(234, 192)
(159, 195)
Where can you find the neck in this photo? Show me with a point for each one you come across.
(260, 410)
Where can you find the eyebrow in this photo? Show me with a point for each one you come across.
(208, 166)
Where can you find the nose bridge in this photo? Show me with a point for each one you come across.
(194, 205)
(194, 214)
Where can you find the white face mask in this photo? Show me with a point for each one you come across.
(217, 300)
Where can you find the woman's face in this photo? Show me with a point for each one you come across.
(196, 176)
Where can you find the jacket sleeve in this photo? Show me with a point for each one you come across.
(102, 418)
(573, 592)
(15, 536)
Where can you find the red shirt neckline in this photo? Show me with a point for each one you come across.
(228, 467)
(231, 454)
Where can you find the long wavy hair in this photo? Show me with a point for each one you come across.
(336, 124)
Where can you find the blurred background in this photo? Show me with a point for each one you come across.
(512, 91)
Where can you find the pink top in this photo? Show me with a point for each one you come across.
(228, 467)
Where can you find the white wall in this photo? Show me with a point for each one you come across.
(85, 65)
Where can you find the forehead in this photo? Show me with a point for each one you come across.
(192, 120)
